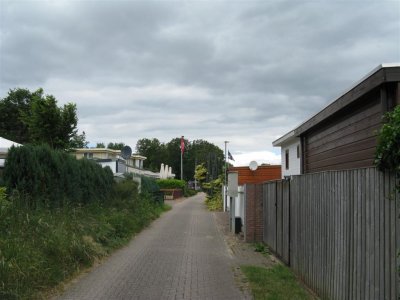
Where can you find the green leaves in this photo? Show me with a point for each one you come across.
(35, 118)
(387, 155)
(50, 178)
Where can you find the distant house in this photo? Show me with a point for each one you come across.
(262, 174)
(290, 154)
(4, 146)
(343, 134)
(113, 159)
(242, 212)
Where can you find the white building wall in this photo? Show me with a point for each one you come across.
(294, 162)
(111, 164)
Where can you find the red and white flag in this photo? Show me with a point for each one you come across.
(182, 144)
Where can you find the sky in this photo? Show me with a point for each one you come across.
(246, 72)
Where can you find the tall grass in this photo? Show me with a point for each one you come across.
(40, 248)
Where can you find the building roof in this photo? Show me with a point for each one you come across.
(6, 144)
(288, 137)
(106, 150)
(381, 74)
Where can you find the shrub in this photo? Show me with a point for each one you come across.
(150, 188)
(171, 184)
(388, 149)
(52, 178)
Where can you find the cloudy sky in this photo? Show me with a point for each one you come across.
(243, 71)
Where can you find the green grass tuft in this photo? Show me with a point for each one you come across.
(41, 248)
(276, 283)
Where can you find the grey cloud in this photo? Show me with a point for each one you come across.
(203, 69)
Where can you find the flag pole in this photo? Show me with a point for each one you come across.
(181, 166)
(182, 149)
(226, 175)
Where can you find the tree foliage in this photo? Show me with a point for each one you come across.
(116, 146)
(32, 117)
(100, 145)
(154, 151)
(388, 149)
(196, 152)
(200, 173)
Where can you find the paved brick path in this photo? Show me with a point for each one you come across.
(182, 255)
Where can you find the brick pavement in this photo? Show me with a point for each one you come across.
(182, 255)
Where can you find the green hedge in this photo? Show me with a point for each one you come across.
(52, 178)
(171, 184)
(149, 187)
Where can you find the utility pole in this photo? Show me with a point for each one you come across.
(226, 178)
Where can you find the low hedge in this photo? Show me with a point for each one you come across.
(171, 184)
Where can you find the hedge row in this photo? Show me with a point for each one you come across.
(47, 177)
(171, 184)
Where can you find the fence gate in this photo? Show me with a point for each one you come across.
(276, 202)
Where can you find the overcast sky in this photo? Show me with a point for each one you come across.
(243, 71)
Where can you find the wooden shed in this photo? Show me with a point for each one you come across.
(343, 135)
(262, 174)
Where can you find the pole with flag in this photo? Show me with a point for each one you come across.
(182, 150)
(230, 157)
(226, 179)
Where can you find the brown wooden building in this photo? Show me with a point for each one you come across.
(262, 174)
(344, 134)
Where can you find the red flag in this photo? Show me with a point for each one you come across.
(182, 144)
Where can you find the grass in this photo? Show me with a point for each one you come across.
(43, 247)
(276, 283)
(261, 248)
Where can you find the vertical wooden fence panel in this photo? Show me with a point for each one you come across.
(338, 230)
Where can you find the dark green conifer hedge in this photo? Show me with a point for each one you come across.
(52, 178)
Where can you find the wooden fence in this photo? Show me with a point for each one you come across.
(338, 230)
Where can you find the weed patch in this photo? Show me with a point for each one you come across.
(273, 283)
(43, 247)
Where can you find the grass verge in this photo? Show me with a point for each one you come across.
(276, 283)
(41, 248)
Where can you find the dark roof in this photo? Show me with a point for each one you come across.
(383, 73)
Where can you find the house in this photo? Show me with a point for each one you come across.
(261, 174)
(112, 158)
(290, 154)
(344, 134)
(4, 146)
(243, 211)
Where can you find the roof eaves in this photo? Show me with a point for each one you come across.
(283, 139)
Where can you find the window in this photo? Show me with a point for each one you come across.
(88, 155)
(298, 151)
(287, 159)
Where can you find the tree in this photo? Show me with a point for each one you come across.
(154, 151)
(79, 141)
(200, 173)
(12, 107)
(387, 155)
(116, 146)
(100, 145)
(35, 118)
(196, 152)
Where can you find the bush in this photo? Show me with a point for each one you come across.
(40, 248)
(388, 149)
(51, 178)
(215, 202)
(150, 188)
(171, 184)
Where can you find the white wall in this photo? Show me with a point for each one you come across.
(111, 164)
(294, 162)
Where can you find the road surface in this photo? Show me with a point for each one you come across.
(182, 255)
